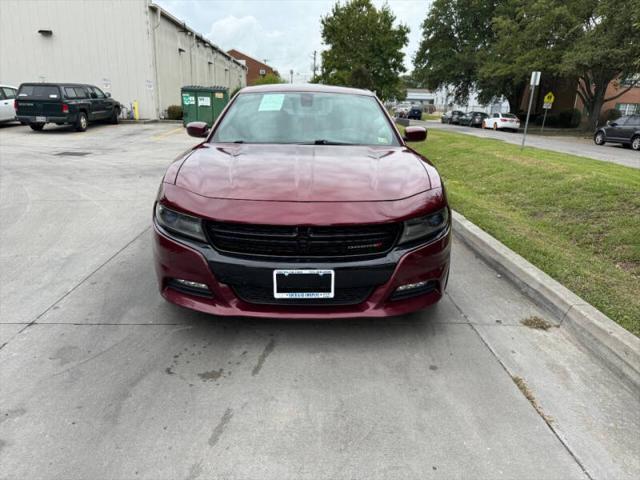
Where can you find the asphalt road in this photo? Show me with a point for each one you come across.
(576, 146)
(101, 379)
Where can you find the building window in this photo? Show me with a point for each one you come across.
(263, 72)
(630, 80)
(628, 108)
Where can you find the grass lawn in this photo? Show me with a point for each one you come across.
(430, 116)
(576, 219)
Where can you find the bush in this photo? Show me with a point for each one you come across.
(564, 119)
(174, 112)
(609, 116)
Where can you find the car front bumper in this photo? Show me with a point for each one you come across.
(227, 276)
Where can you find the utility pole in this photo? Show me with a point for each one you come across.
(291, 73)
(314, 63)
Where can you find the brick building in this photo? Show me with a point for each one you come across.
(255, 68)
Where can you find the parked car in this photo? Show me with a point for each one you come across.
(473, 119)
(402, 110)
(7, 96)
(415, 113)
(302, 202)
(64, 103)
(624, 130)
(502, 121)
(452, 117)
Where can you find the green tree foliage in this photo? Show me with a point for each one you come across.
(364, 48)
(268, 79)
(495, 45)
(454, 35)
(603, 48)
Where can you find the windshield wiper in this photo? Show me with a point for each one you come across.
(329, 142)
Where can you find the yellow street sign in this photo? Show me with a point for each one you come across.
(549, 98)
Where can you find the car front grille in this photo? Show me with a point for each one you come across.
(264, 296)
(302, 242)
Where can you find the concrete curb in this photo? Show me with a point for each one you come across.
(618, 348)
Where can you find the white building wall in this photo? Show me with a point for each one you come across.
(100, 42)
(112, 44)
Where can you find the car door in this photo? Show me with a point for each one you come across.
(7, 96)
(615, 131)
(495, 118)
(98, 110)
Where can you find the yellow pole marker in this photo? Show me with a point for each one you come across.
(136, 113)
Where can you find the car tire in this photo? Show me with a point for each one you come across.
(483, 125)
(635, 143)
(599, 138)
(82, 122)
(115, 117)
(36, 126)
(495, 127)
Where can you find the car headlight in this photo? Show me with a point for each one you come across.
(179, 223)
(426, 226)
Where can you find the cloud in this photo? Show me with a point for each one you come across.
(283, 51)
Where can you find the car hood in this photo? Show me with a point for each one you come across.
(305, 173)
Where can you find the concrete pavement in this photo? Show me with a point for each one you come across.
(100, 378)
(583, 147)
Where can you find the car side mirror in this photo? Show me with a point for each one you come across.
(197, 129)
(415, 134)
(612, 124)
(107, 94)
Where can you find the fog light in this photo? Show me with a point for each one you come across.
(411, 286)
(192, 288)
(190, 284)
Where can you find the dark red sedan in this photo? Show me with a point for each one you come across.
(302, 202)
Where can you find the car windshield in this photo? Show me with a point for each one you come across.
(305, 118)
(39, 92)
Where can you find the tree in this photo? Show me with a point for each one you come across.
(454, 34)
(365, 48)
(269, 79)
(604, 49)
(526, 36)
(493, 46)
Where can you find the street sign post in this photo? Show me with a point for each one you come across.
(548, 102)
(535, 80)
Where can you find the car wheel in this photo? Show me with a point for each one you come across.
(81, 122)
(635, 143)
(495, 126)
(599, 138)
(36, 126)
(115, 117)
(484, 125)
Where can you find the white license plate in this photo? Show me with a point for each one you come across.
(303, 283)
(41, 119)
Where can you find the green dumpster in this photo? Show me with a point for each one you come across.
(203, 104)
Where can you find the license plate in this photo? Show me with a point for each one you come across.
(41, 119)
(303, 283)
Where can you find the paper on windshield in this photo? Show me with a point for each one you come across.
(271, 102)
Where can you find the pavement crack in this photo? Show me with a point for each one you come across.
(263, 356)
(544, 418)
(220, 427)
(75, 287)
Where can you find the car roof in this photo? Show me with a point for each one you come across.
(307, 87)
(56, 84)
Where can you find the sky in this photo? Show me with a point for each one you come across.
(284, 32)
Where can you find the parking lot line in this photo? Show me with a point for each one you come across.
(166, 134)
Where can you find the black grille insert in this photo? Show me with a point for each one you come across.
(303, 241)
(264, 296)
